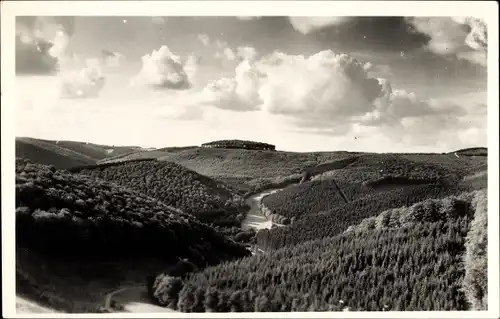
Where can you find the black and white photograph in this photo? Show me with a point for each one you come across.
(335, 163)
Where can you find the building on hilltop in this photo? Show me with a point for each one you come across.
(249, 145)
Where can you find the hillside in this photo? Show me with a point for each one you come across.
(174, 185)
(47, 153)
(66, 218)
(321, 224)
(96, 151)
(473, 151)
(410, 259)
(67, 154)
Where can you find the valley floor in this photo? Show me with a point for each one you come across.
(255, 218)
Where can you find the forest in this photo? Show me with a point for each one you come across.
(64, 214)
(176, 186)
(408, 260)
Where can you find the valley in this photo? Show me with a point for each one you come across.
(233, 230)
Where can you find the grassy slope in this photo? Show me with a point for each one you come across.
(50, 154)
(96, 151)
(66, 222)
(409, 259)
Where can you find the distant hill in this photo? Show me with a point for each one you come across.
(43, 152)
(473, 151)
(67, 154)
(173, 185)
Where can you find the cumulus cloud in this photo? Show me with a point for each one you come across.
(87, 82)
(324, 86)
(463, 37)
(334, 95)
(239, 93)
(162, 69)
(307, 25)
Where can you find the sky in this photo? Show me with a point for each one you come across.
(376, 84)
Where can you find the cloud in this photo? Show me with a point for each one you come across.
(239, 93)
(42, 48)
(87, 82)
(307, 25)
(204, 38)
(41, 43)
(325, 86)
(229, 54)
(238, 54)
(246, 53)
(332, 94)
(162, 69)
(463, 37)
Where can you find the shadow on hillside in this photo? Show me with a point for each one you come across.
(75, 286)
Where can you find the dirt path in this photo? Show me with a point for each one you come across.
(132, 299)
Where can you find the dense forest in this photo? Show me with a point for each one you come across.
(177, 186)
(409, 260)
(325, 223)
(64, 214)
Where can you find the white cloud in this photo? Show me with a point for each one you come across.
(332, 94)
(325, 86)
(229, 54)
(246, 53)
(204, 38)
(464, 37)
(162, 69)
(239, 54)
(87, 82)
(307, 25)
(239, 93)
